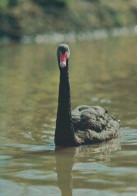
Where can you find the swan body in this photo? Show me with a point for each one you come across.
(85, 124)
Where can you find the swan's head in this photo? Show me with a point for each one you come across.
(63, 53)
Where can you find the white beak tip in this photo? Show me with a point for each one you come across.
(62, 64)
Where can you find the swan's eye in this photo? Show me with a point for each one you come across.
(58, 53)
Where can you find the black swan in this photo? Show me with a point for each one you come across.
(85, 124)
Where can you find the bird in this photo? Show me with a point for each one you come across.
(85, 124)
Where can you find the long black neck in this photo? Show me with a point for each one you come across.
(64, 133)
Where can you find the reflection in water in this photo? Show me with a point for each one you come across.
(64, 164)
(66, 158)
(36, 170)
(102, 72)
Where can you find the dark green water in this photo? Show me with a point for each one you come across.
(102, 72)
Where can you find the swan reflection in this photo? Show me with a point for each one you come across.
(72, 162)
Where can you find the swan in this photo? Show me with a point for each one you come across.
(85, 124)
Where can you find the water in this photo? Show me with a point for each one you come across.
(102, 72)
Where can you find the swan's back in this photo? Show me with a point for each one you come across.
(94, 118)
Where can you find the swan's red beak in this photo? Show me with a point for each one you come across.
(63, 59)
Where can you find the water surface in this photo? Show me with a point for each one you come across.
(102, 72)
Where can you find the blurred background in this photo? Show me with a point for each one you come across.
(32, 17)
